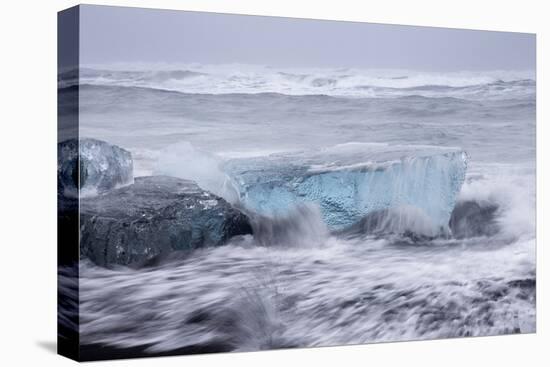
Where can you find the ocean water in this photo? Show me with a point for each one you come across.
(308, 286)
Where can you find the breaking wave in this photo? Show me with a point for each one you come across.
(234, 79)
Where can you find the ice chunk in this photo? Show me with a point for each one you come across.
(349, 181)
(102, 167)
(155, 216)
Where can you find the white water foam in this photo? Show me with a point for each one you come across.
(242, 78)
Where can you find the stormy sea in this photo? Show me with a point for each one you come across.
(451, 255)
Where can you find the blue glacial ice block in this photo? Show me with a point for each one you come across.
(88, 167)
(349, 181)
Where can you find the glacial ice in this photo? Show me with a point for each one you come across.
(349, 181)
(92, 167)
(155, 216)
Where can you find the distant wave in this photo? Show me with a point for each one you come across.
(251, 79)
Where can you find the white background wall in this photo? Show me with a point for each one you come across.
(28, 181)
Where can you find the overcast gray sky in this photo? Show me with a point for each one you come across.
(118, 34)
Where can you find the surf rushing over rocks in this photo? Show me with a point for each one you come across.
(129, 221)
(284, 251)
